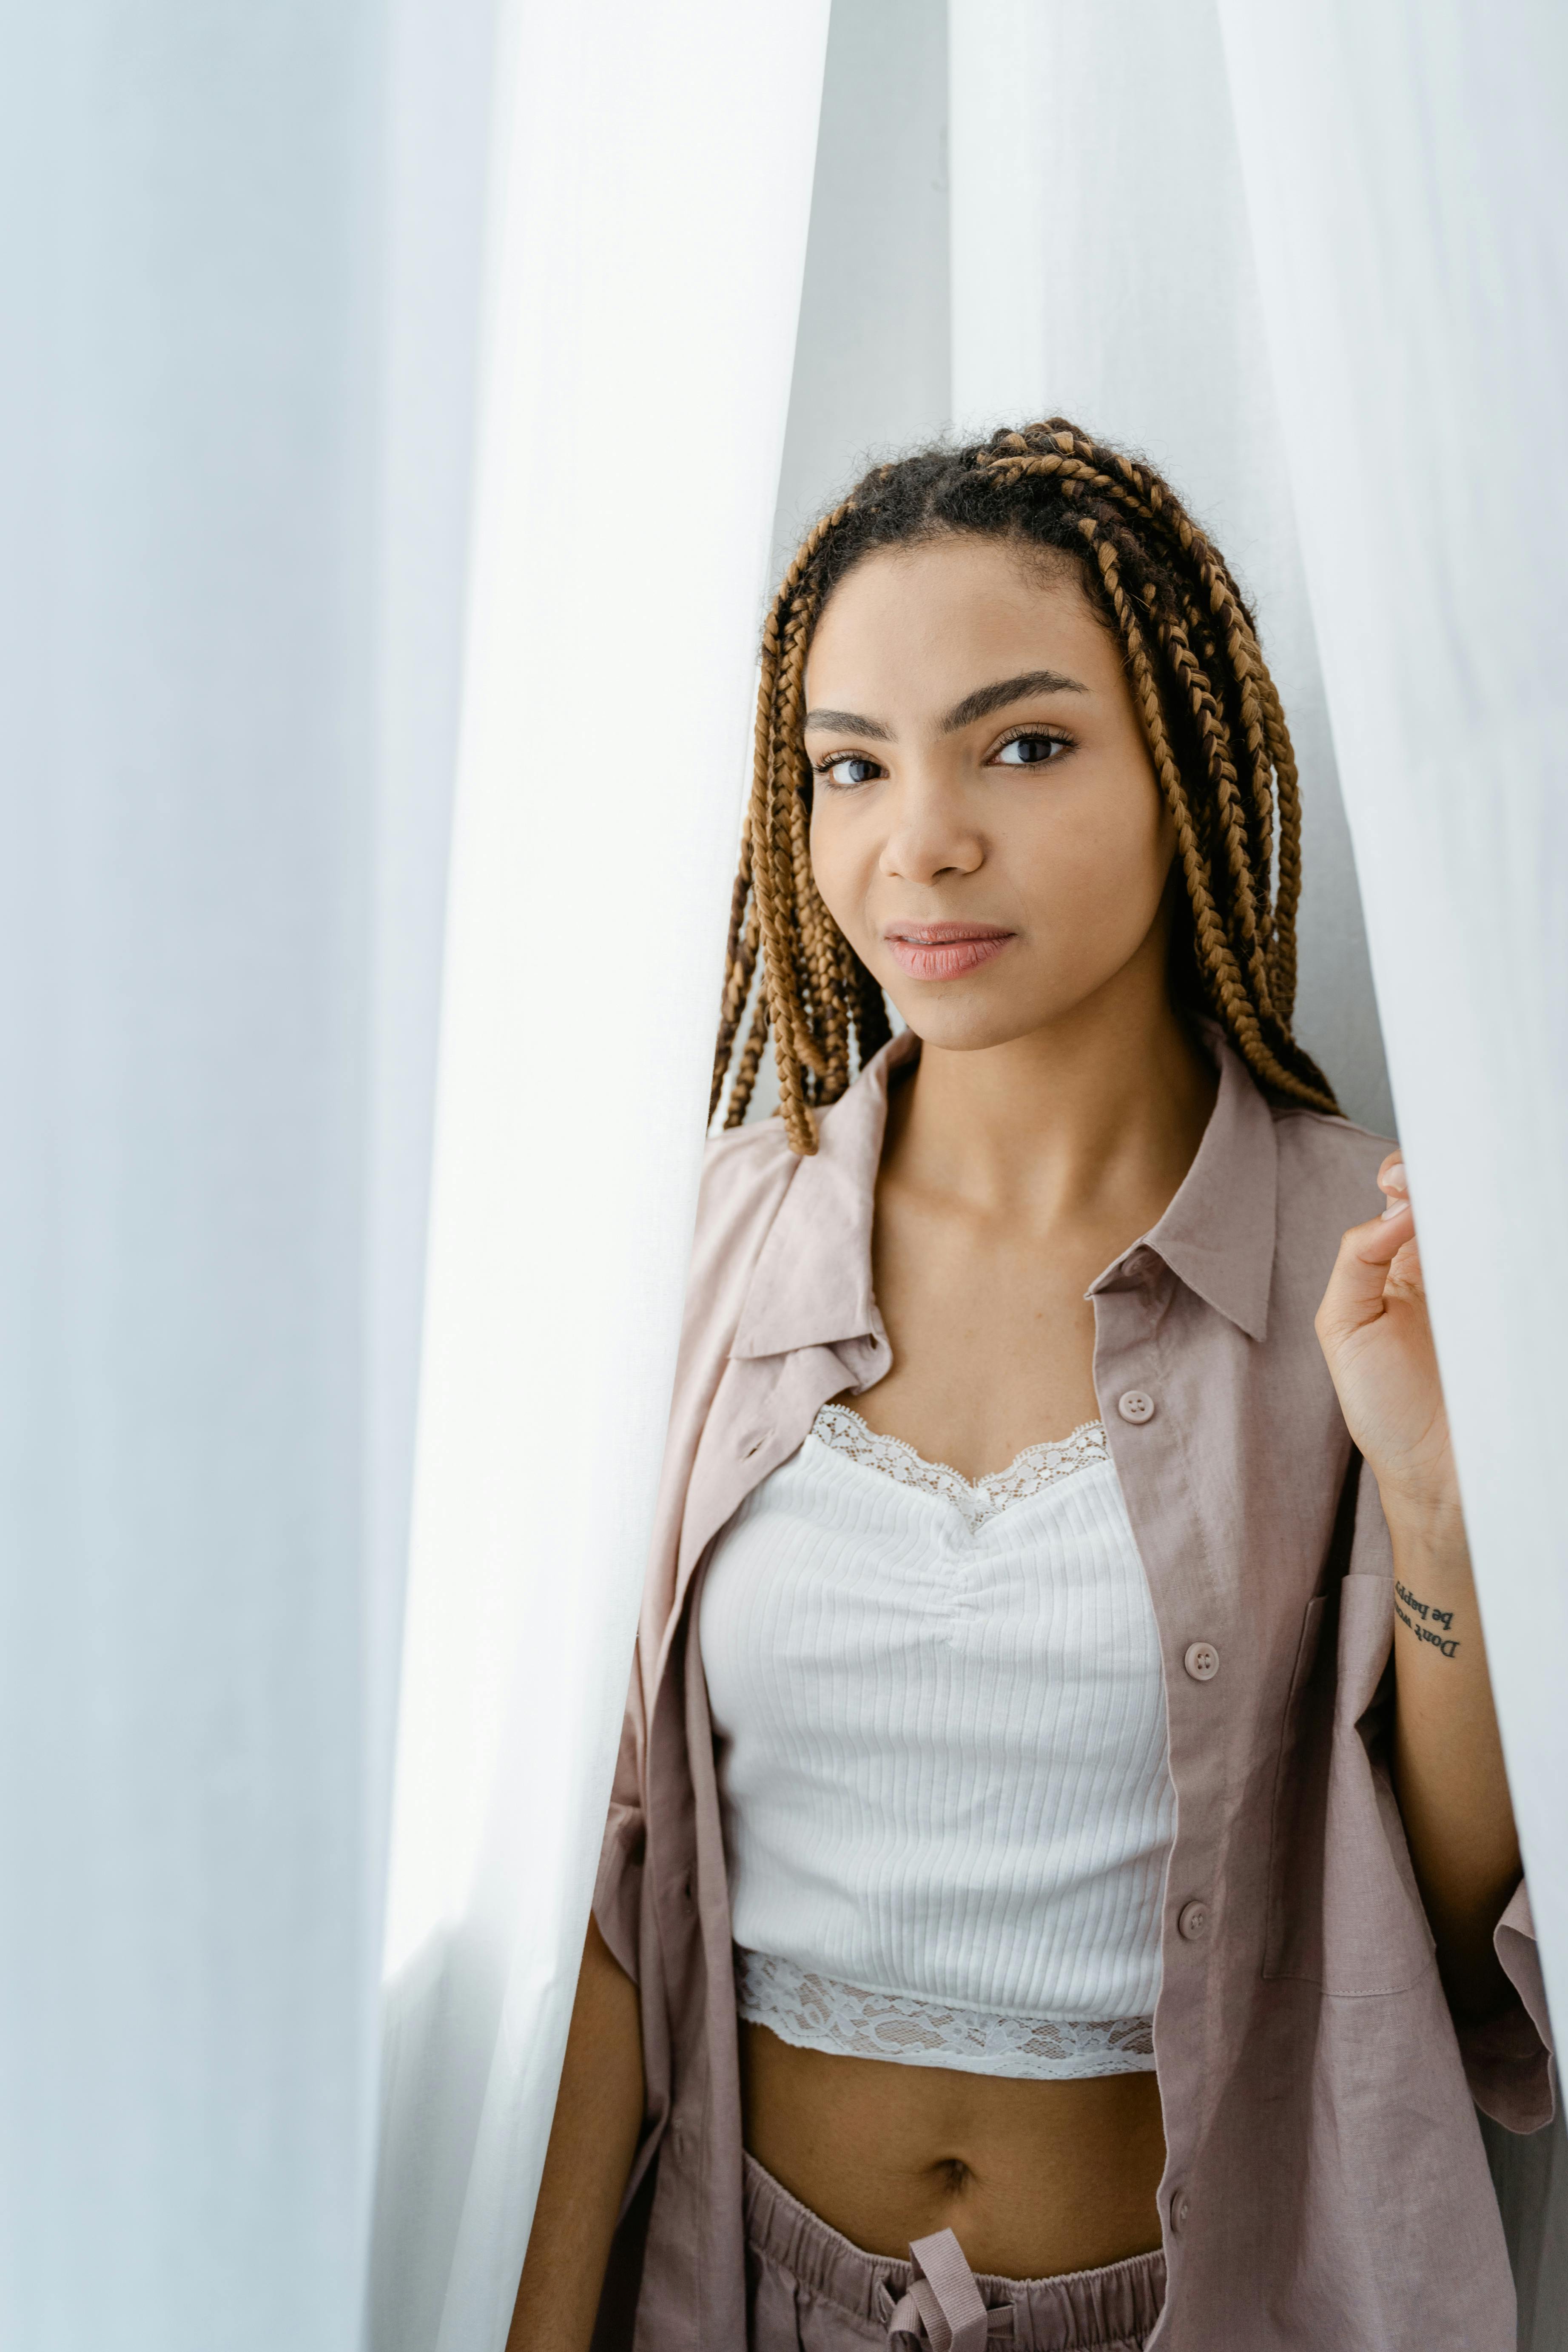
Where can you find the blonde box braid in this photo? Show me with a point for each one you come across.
(1212, 719)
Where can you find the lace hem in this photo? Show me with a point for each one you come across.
(1036, 1468)
(815, 2012)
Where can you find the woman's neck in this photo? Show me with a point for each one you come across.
(1092, 1117)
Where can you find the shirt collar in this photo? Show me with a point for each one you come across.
(812, 1283)
(1217, 1236)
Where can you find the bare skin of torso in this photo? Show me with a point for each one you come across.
(1034, 2176)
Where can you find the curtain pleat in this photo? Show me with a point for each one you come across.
(1406, 178)
(234, 494)
(650, 204)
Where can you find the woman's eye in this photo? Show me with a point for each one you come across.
(1030, 751)
(851, 769)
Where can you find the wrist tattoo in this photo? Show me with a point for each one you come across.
(1435, 1626)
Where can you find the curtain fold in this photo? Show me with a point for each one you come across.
(234, 481)
(649, 207)
(1407, 173)
(1408, 181)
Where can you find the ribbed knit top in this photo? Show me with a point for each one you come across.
(941, 1727)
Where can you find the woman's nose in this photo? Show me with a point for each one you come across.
(930, 834)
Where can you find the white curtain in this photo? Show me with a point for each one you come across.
(1406, 172)
(240, 265)
(649, 209)
(234, 461)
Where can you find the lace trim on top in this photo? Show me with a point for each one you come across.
(815, 2012)
(1037, 1467)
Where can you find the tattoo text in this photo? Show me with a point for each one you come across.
(1430, 1618)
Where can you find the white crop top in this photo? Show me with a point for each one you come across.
(940, 1723)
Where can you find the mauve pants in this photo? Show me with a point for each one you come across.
(809, 2290)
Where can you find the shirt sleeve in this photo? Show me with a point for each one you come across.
(1509, 2059)
(617, 1890)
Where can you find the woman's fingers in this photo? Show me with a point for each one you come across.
(1355, 1297)
(1398, 1219)
(1391, 1180)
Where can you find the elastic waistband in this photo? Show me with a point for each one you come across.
(1110, 2310)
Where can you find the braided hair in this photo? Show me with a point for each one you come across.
(1210, 714)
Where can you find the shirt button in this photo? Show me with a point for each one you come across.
(1181, 2210)
(1202, 1661)
(1192, 1921)
(1135, 1406)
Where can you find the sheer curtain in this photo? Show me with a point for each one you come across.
(241, 255)
(234, 468)
(1406, 172)
(650, 212)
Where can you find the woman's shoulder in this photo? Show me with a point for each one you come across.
(1328, 1163)
(741, 1164)
(746, 1172)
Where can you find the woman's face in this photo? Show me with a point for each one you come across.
(987, 827)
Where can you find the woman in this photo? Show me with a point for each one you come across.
(1062, 1885)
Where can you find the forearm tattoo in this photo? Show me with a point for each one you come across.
(1435, 1626)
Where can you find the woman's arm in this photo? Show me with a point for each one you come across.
(598, 2115)
(1448, 1758)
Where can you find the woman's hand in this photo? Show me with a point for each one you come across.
(1374, 1331)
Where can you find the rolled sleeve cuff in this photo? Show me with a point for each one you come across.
(1509, 2060)
(617, 1891)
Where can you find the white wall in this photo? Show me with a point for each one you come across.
(871, 370)
(872, 373)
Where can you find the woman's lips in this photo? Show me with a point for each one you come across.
(944, 951)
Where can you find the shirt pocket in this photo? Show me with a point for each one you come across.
(1343, 1910)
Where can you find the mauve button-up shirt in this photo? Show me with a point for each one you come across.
(1325, 2188)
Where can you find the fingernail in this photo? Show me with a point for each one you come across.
(1395, 1209)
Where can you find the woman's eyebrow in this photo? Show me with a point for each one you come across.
(985, 700)
(850, 722)
(978, 705)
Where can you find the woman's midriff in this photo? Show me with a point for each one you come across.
(1032, 2177)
